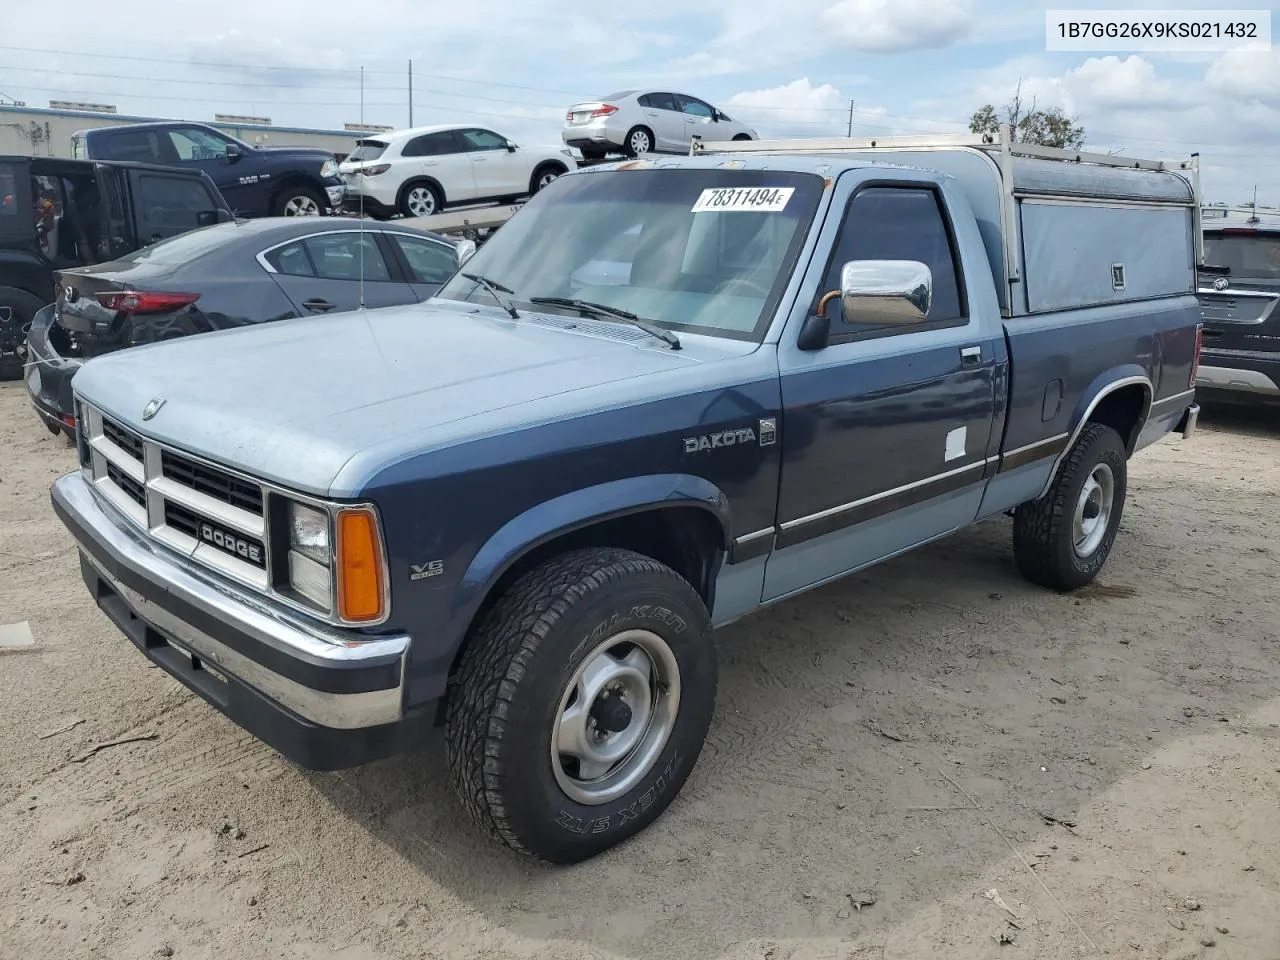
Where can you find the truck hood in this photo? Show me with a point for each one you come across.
(297, 401)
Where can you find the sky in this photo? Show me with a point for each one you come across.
(789, 69)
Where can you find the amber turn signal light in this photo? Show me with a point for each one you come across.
(360, 574)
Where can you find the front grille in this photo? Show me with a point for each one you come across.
(212, 482)
(126, 440)
(207, 531)
(131, 487)
(197, 508)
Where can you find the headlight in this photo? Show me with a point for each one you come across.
(329, 168)
(310, 555)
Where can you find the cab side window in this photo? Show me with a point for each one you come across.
(898, 223)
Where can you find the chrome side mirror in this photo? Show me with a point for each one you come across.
(465, 249)
(885, 292)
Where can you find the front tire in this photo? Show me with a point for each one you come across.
(298, 202)
(543, 176)
(582, 703)
(1062, 540)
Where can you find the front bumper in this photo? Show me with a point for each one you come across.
(323, 698)
(335, 195)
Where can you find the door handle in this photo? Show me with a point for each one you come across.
(970, 355)
(317, 305)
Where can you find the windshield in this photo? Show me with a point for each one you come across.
(185, 247)
(1252, 255)
(367, 150)
(702, 250)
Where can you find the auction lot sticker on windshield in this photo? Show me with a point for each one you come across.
(753, 199)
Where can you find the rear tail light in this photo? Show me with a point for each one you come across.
(376, 169)
(143, 301)
(604, 110)
(1195, 358)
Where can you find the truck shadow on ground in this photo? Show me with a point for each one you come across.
(1260, 420)
(842, 719)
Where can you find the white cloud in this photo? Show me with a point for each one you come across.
(893, 26)
(795, 109)
(1111, 81)
(1247, 74)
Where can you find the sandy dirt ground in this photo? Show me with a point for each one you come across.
(931, 759)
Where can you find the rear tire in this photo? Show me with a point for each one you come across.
(420, 199)
(1062, 540)
(639, 142)
(298, 202)
(17, 309)
(581, 703)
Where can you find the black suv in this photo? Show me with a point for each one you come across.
(1240, 305)
(257, 181)
(56, 214)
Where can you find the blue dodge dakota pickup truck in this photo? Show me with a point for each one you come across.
(667, 393)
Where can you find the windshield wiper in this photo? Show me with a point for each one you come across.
(603, 312)
(496, 290)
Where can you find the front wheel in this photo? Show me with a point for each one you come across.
(582, 703)
(1062, 540)
(298, 202)
(543, 176)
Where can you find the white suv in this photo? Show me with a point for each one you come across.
(421, 171)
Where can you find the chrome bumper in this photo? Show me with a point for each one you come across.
(339, 680)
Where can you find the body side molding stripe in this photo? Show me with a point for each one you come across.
(835, 518)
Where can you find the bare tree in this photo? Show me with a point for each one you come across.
(1029, 124)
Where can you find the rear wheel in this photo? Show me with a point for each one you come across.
(582, 703)
(420, 199)
(298, 202)
(1062, 540)
(639, 141)
(17, 308)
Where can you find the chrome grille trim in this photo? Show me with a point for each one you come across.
(160, 489)
(114, 448)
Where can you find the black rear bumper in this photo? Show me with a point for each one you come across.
(1246, 374)
(48, 377)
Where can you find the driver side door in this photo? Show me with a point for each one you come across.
(234, 172)
(499, 170)
(699, 120)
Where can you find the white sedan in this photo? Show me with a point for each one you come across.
(420, 172)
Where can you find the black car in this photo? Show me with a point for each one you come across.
(56, 214)
(1240, 306)
(257, 181)
(224, 276)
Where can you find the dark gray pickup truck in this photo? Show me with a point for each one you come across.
(665, 394)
